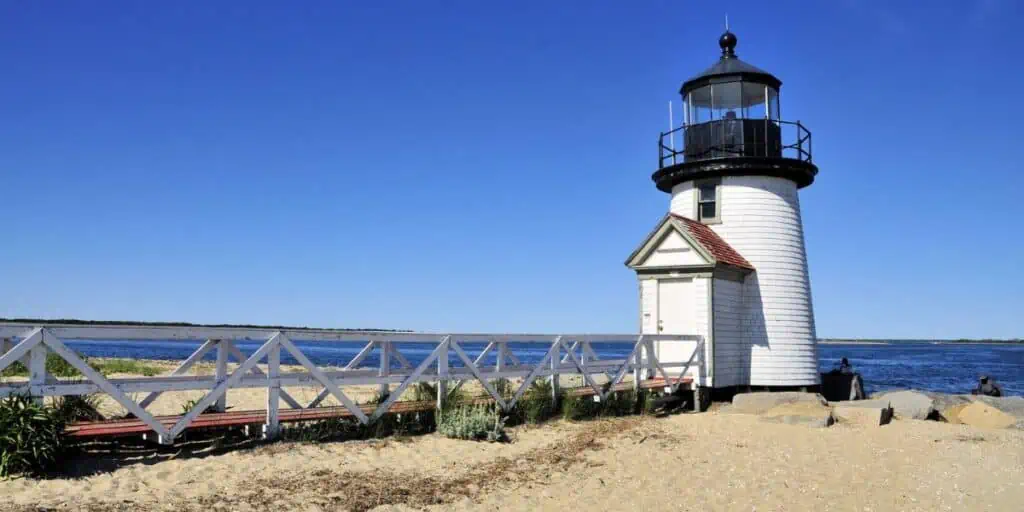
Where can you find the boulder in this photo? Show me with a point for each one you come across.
(1011, 405)
(949, 406)
(837, 386)
(760, 402)
(910, 405)
(869, 413)
(808, 413)
(981, 414)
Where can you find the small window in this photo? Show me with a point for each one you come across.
(707, 202)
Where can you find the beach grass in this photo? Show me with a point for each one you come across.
(58, 367)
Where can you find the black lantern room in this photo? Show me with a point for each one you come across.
(732, 126)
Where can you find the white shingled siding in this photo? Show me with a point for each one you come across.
(701, 322)
(761, 220)
(732, 346)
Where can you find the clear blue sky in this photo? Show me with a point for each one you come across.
(484, 166)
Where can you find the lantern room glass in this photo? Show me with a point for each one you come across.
(732, 119)
(732, 100)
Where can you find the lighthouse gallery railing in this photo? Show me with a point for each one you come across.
(730, 138)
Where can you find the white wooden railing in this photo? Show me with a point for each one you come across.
(564, 354)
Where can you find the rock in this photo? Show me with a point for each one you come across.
(910, 405)
(949, 406)
(842, 386)
(1012, 405)
(980, 414)
(870, 413)
(808, 413)
(758, 403)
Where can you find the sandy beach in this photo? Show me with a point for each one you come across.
(706, 461)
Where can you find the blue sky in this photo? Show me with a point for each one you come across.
(484, 166)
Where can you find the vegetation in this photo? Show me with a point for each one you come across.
(129, 366)
(619, 403)
(537, 404)
(58, 367)
(473, 423)
(31, 437)
(75, 408)
(76, 321)
(191, 404)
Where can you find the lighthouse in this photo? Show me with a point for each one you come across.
(728, 261)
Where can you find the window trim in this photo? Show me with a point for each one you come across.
(717, 219)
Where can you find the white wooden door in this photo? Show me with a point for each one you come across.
(675, 306)
(676, 315)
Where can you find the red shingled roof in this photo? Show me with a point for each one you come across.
(713, 244)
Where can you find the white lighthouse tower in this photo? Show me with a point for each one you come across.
(728, 261)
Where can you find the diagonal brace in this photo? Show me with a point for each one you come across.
(476, 373)
(101, 382)
(442, 348)
(222, 387)
(319, 375)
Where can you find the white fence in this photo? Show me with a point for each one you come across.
(564, 354)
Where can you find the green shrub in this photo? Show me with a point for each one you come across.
(503, 387)
(425, 391)
(620, 403)
(129, 366)
(646, 400)
(321, 431)
(31, 437)
(475, 423)
(55, 365)
(58, 367)
(190, 404)
(575, 408)
(537, 404)
(75, 408)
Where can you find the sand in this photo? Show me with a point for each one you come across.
(706, 461)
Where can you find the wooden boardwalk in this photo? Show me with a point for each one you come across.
(392, 372)
(132, 427)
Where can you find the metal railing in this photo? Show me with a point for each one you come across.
(563, 354)
(731, 138)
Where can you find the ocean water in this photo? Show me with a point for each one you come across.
(933, 366)
(943, 367)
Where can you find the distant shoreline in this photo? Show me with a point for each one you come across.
(828, 341)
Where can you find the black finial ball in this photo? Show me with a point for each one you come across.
(727, 42)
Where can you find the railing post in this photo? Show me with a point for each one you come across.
(6, 345)
(556, 361)
(500, 365)
(37, 370)
(661, 151)
(442, 376)
(810, 156)
(584, 355)
(385, 369)
(221, 373)
(272, 427)
(637, 361)
(649, 369)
